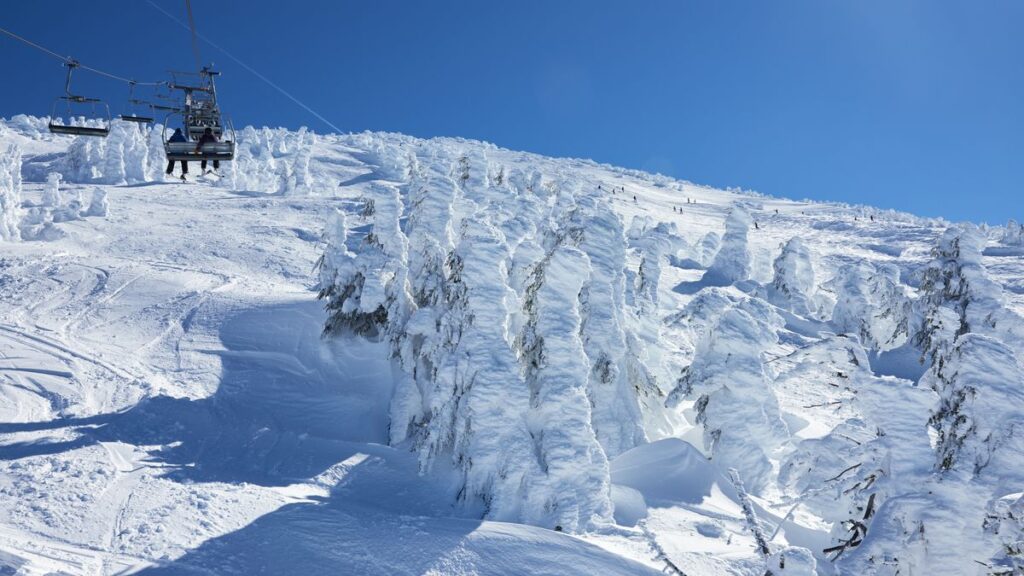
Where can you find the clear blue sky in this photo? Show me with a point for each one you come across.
(916, 105)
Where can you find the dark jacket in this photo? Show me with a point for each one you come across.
(178, 136)
(204, 139)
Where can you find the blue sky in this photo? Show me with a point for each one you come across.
(914, 105)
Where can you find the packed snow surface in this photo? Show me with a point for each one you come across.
(374, 354)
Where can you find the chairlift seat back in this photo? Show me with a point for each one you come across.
(195, 131)
(210, 151)
(138, 119)
(78, 130)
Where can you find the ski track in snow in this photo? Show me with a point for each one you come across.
(167, 403)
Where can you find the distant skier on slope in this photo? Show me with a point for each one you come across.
(208, 136)
(178, 136)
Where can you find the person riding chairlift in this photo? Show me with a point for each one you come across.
(208, 136)
(178, 136)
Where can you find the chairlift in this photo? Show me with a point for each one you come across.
(188, 150)
(135, 105)
(72, 101)
(200, 113)
(201, 108)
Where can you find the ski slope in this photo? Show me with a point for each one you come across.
(169, 404)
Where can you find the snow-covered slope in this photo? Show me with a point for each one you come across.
(373, 354)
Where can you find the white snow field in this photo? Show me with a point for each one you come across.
(374, 354)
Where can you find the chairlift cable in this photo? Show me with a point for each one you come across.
(66, 60)
(250, 69)
(192, 28)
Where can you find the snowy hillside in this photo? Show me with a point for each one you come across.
(374, 354)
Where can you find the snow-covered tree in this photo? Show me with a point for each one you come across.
(418, 345)
(732, 262)
(1004, 523)
(98, 205)
(478, 404)
(156, 159)
(956, 295)
(793, 282)
(980, 417)
(10, 194)
(136, 151)
(1013, 234)
(573, 491)
(870, 303)
(52, 197)
(113, 165)
(735, 403)
(613, 394)
(361, 287)
(707, 248)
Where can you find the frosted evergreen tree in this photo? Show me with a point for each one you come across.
(285, 179)
(980, 417)
(112, 167)
(871, 303)
(732, 262)
(958, 297)
(303, 180)
(76, 166)
(655, 244)
(613, 394)
(356, 285)
(1013, 234)
(793, 281)
(419, 343)
(1004, 522)
(478, 404)
(156, 159)
(98, 205)
(136, 151)
(574, 490)
(10, 194)
(52, 197)
(734, 399)
(707, 248)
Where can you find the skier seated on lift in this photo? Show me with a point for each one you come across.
(208, 136)
(178, 136)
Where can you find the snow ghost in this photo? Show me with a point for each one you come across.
(51, 192)
(10, 193)
(732, 263)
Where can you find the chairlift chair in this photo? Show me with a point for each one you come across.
(134, 104)
(69, 99)
(222, 151)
